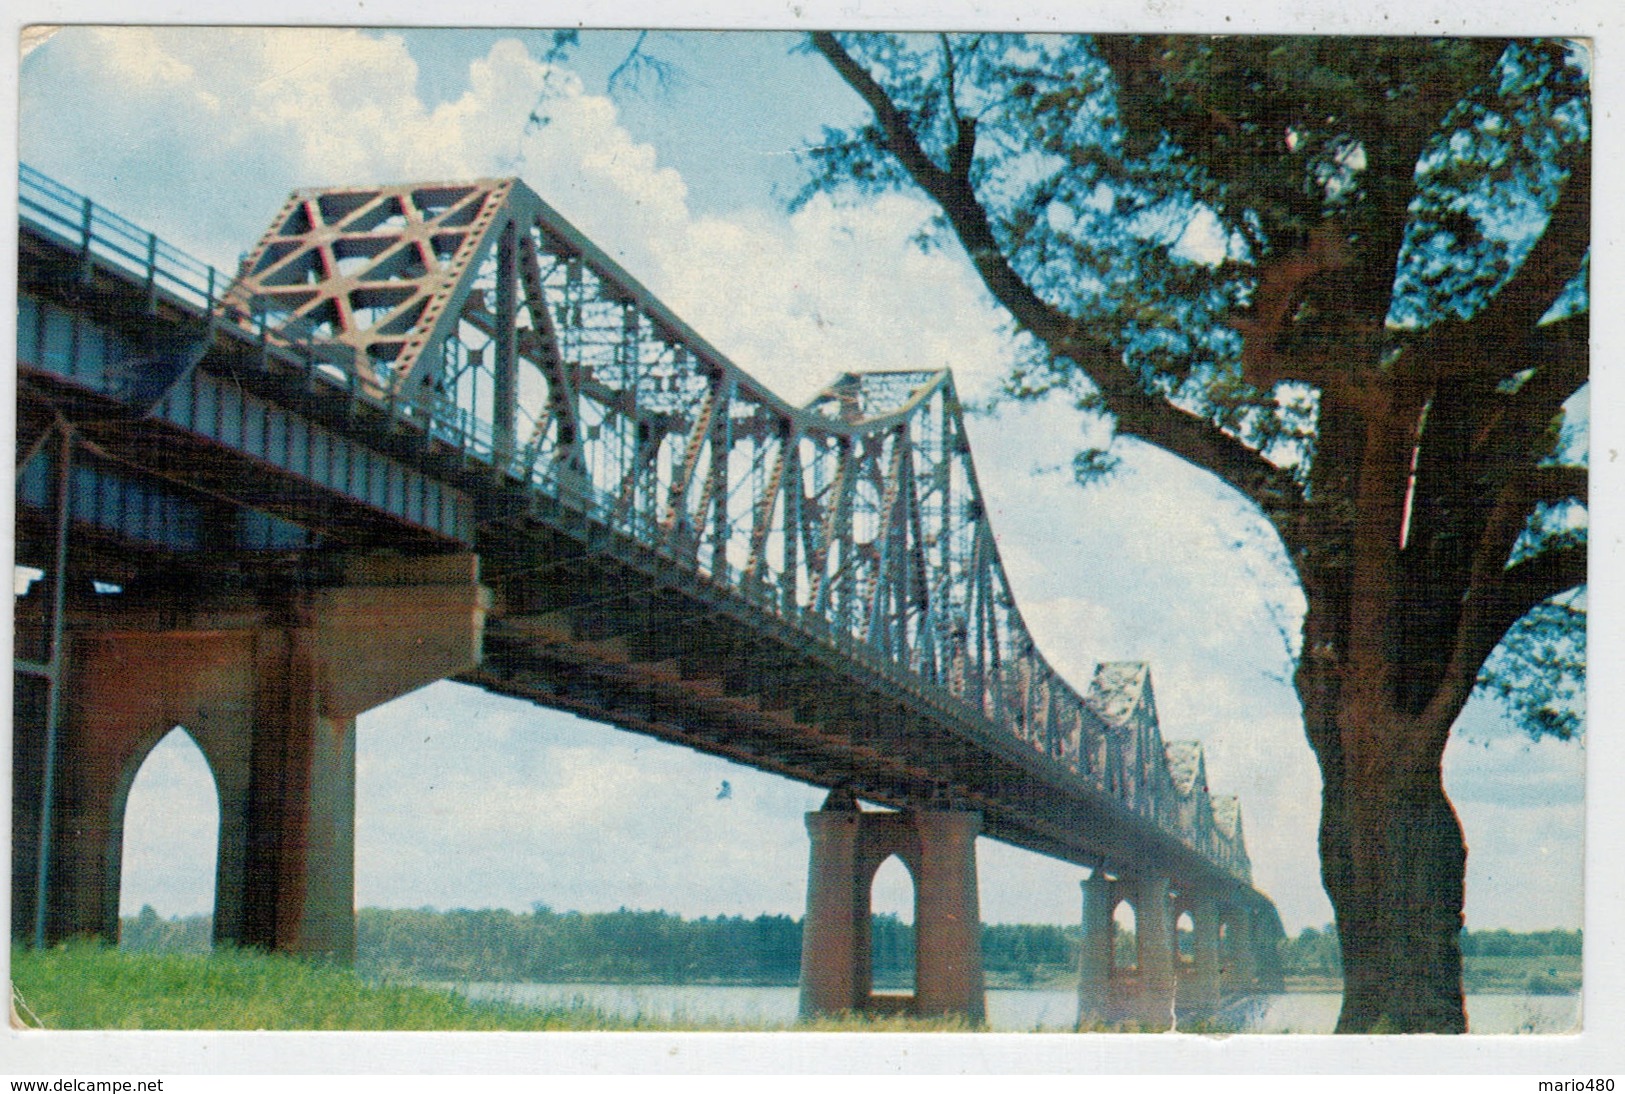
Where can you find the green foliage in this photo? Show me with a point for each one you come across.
(626, 947)
(89, 986)
(1030, 953)
(1125, 948)
(150, 933)
(1105, 237)
(1274, 122)
(1504, 943)
(1140, 185)
(891, 952)
(661, 948)
(1537, 984)
(887, 1023)
(1471, 139)
(1312, 953)
(1498, 961)
(86, 986)
(1538, 671)
(547, 946)
(1467, 139)
(1487, 179)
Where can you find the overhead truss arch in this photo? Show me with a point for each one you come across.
(487, 320)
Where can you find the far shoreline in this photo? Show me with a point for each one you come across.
(1295, 985)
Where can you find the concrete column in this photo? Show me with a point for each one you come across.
(1202, 991)
(1267, 936)
(1242, 960)
(1095, 954)
(299, 884)
(233, 781)
(948, 920)
(30, 701)
(1154, 932)
(834, 934)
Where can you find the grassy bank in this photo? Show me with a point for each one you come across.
(87, 986)
(94, 987)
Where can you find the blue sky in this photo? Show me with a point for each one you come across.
(469, 800)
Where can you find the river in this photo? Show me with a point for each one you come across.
(1008, 1010)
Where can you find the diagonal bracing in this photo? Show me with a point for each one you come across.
(482, 316)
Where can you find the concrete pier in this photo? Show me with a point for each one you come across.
(1154, 936)
(269, 688)
(1095, 952)
(939, 850)
(1228, 953)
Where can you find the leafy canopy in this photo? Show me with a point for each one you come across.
(1149, 189)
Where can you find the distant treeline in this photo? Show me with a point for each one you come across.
(151, 933)
(549, 946)
(652, 947)
(1316, 953)
(1532, 944)
(617, 947)
(658, 947)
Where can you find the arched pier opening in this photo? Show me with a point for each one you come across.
(169, 836)
(892, 905)
(1125, 940)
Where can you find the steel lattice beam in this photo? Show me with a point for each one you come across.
(493, 324)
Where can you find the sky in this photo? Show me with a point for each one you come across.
(471, 800)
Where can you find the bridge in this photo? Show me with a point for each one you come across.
(431, 431)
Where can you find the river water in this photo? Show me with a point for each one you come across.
(1008, 1010)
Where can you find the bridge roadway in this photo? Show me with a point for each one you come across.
(432, 431)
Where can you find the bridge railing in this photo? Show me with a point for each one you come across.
(95, 233)
(857, 519)
(98, 235)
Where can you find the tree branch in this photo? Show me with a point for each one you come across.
(1487, 614)
(1152, 418)
(1273, 348)
(1560, 353)
(1557, 483)
(1499, 595)
(1454, 347)
(900, 140)
(1517, 499)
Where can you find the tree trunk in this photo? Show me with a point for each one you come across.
(1392, 856)
(1393, 862)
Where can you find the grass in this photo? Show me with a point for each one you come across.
(91, 986)
(88, 986)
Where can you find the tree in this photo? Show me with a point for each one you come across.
(1346, 276)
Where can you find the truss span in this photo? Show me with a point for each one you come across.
(475, 316)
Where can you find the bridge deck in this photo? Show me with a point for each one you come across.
(789, 629)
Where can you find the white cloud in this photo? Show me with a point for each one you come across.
(832, 289)
(508, 804)
(1503, 782)
(136, 58)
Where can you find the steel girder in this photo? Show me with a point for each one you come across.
(476, 311)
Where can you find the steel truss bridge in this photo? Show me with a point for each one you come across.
(669, 547)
